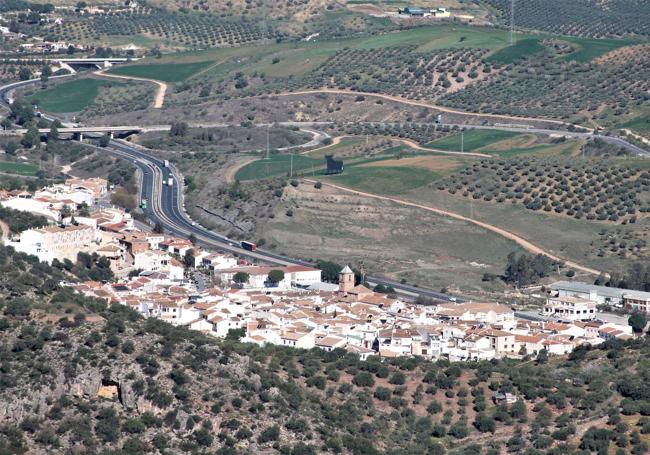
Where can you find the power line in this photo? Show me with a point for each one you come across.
(511, 35)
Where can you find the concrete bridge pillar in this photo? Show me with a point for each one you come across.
(111, 134)
(81, 137)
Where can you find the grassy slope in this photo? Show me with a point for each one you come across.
(640, 124)
(72, 96)
(277, 165)
(166, 72)
(589, 48)
(568, 148)
(472, 140)
(518, 50)
(390, 180)
(19, 168)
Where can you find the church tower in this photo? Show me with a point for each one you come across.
(346, 280)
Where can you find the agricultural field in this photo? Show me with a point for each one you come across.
(473, 140)
(26, 169)
(586, 18)
(619, 243)
(391, 178)
(600, 92)
(382, 164)
(166, 72)
(582, 196)
(186, 30)
(283, 9)
(506, 144)
(280, 165)
(470, 68)
(402, 71)
(70, 96)
(522, 48)
(595, 190)
(366, 161)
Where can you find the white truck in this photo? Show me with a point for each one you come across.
(166, 163)
(170, 181)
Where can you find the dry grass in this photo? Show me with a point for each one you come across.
(433, 163)
(522, 141)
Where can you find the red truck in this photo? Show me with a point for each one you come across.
(250, 246)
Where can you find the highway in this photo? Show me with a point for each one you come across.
(166, 208)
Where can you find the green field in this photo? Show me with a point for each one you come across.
(72, 96)
(567, 148)
(639, 124)
(166, 72)
(589, 49)
(278, 165)
(19, 168)
(472, 140)
(391, 180)
(505, 144)
(523, 48)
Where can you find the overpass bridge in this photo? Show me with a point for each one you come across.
(70, 63)
(93, 62)
(79, 131)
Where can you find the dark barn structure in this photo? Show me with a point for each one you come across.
(333, 166)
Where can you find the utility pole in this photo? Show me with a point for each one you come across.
(263, 25)
(291, 168)
(511, 37)
(267, 141)
(462, 141)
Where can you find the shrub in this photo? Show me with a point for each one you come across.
(363, 379)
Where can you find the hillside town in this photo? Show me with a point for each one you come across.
(167, 277)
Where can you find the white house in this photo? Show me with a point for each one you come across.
(40, 206)
(331, 342)
(489, 313)
(305, 340)
(55, 242)
(151, 260)
(570, 308)
(216, 261)
(294, 275)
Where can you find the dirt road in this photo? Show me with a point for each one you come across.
(399, 99)
(5, 232)
(525, 244)
(160, 94)
(335, 140)
(229, 176)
